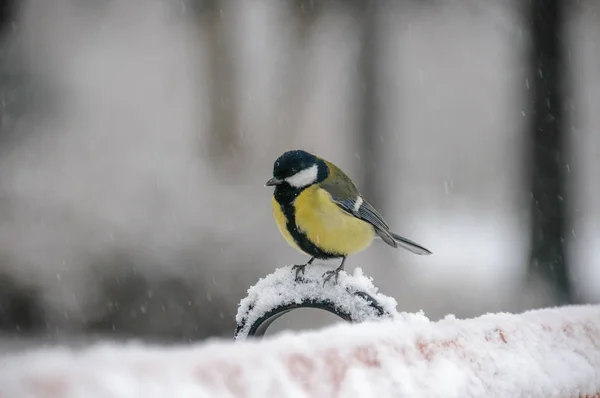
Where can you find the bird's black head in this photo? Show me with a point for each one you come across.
(298, 169)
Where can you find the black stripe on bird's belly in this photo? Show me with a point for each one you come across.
(301, 238)
(285, 200)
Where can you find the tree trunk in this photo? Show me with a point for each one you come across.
(369, 107)
(547, 151)
(223, 134)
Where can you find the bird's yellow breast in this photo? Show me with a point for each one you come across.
(325, 224)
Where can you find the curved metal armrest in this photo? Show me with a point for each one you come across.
(354, 299)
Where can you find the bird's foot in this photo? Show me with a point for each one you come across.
(299, 268)
(331, 274)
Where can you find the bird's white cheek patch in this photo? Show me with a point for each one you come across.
(304, 177)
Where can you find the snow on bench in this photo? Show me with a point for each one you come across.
(543, 353)
(354, 297)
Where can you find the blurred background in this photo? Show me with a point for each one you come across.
(136, 137)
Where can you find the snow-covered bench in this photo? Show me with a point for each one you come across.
(543, 353)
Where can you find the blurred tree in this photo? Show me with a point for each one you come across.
(20, 309)
(215, 19)
(8, 11)
(308, 11)
(547, 146)
(369, 132)
(306, 14)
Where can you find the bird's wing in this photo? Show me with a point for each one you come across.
(345, 194)
(362, 209)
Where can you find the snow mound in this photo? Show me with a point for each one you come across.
(354, 296)
(552, 353)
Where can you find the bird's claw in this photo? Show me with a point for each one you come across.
(330, 274)
(299, 268)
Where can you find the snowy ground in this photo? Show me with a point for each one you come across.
(543, 353)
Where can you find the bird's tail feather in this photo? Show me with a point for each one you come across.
(403, 242)
(410, 245)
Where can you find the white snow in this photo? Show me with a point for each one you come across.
(544, 353)
(280, 288)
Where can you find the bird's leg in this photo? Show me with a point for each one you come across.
(329, 274)
(301, 267)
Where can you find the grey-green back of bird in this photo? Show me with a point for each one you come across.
(347, 196)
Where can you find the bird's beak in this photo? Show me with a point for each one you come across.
(273, 181)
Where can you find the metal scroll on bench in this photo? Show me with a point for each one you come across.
(354, 299)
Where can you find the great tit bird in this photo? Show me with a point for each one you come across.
(320, 212)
